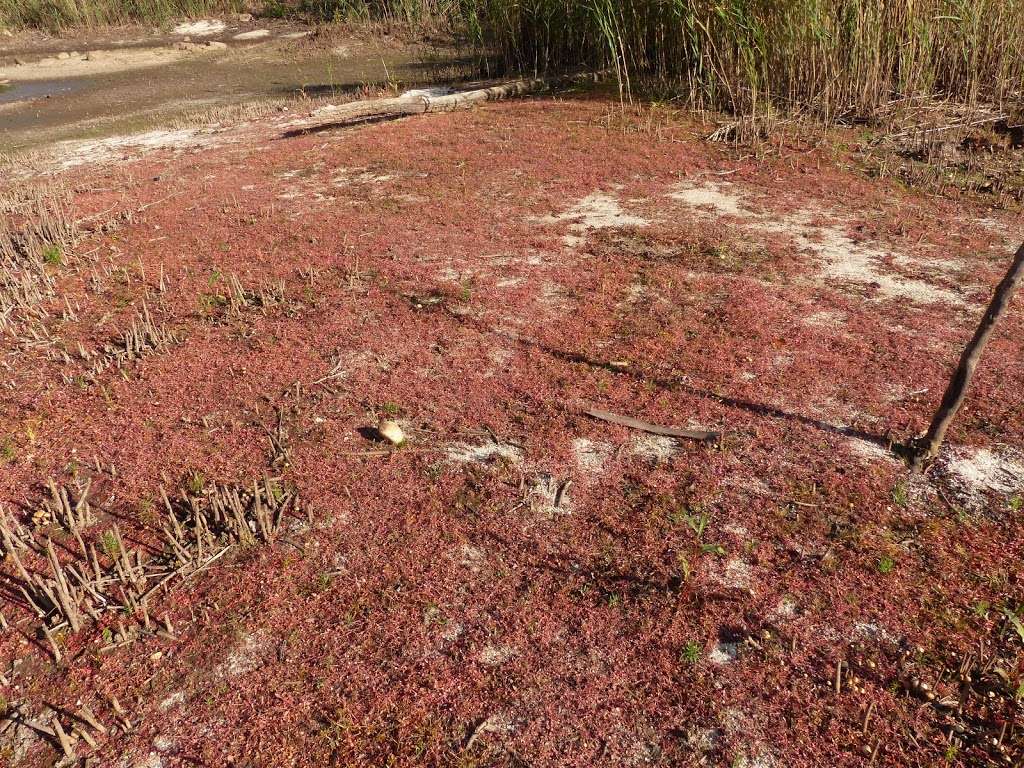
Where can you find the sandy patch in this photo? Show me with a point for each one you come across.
(496, 655)
(1011, 236)
(591, 455)
(839, 414)
(347, 177)
(724, 653)
(754, 751)
(244, 658)
(704, 740)
(499, 358)
(96, 63)
(736, 574)
(786, 609)
(737, 530)
(368, 177)
(200, 28)
(839, 257)
(255, 34)
(654, 447)
(596, 211)
(868, 631)
(974, 473)
(170, 702)
(870, 451)
(464, 454)
(472, 558)
(826, 318)
(715, 197)
(550, 298)
(842, 258)
(71, 154)
(452, 631)
(635, 292)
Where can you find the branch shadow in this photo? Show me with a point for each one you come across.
(902, 450)
(759, 409)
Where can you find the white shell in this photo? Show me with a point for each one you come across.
(391, 432)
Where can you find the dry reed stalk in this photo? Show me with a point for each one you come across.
(37, 232)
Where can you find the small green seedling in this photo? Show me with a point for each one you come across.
(1012, 617)
(196, 483)
(694, 517)
(900, 495)
(276, 491)
(691, 652)
(886, 564)
(698, 524)
(53, 256)
(713, 549)
(684, 566)
(110, 546)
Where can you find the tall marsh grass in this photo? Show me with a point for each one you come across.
(408, 12)
(56, 15)
(63, 14)
(837, 57)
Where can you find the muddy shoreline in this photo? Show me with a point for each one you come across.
(131, 79)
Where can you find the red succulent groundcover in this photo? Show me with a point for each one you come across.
(520, 584)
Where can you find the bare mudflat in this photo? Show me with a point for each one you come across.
(193, 372)
(102, 84)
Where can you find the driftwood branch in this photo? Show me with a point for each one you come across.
(927, 448)
(419, 104)
(654, 429)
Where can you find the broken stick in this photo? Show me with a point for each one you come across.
(927, 448)
(654, 429)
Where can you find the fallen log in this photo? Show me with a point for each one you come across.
(419, 103)
(654, 429)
